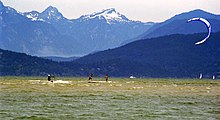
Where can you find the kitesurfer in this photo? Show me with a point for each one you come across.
(106, 78)
(49, 77)
(90, 76)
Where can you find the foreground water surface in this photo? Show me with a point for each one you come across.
(131, 99)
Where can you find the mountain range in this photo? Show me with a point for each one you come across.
(49, 33)
(115, 45)
(168, 56)
(173, 56)
(178, 25)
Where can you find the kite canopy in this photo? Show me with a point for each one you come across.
(208, 26)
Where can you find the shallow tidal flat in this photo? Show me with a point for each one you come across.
(120, 98)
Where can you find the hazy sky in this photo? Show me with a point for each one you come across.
(142, 10)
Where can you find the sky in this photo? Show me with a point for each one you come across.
(141, 10)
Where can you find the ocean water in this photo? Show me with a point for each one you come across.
(116, 100)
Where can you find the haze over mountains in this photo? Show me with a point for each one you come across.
(174, 56)
(164, 49)
(51, 34)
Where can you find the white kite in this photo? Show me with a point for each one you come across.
(208, 26)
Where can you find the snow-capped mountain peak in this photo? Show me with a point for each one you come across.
(51, 10)
(110, 15)
(48, 15)
(33, 15)
(51, 13)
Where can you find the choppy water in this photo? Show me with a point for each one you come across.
(130, 100)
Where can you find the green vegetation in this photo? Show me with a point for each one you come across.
(120, 98)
